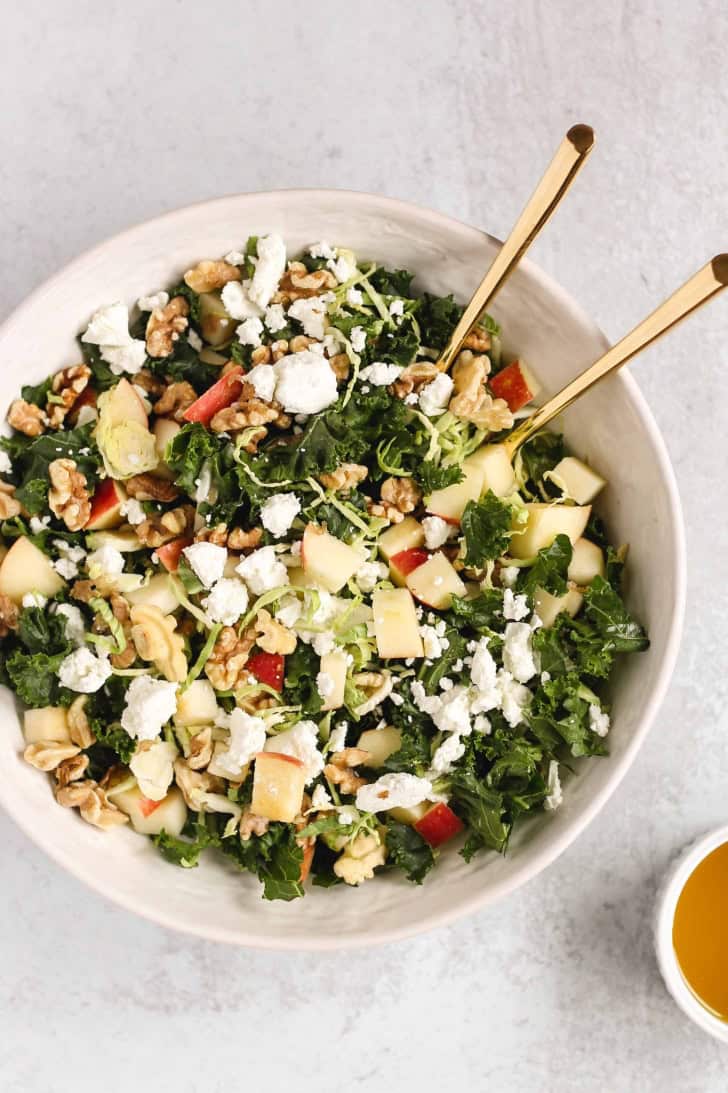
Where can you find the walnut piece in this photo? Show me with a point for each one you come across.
(200, 749)
(26, 418)
(48, 754)
(149, 383)
(300, 342)
(68, 498)
(93, 804)
(414, 377)
(360, 858)
(9, 505)
(160, 528)
(340, 769)
(344, 478)
(9, 613)
(340, 365)
(478, 340)
(297, 283)
(193, 783)
(470, 400)
(247, 411)
(67, 385)
(147, 487)
(250, 824)
(384, 511)
(164, 326)
(120, 611)
(72, 769)
(154, 637)
(208, 275)
(403, 493)
(273, 637)
(78, 726)
(225, 667)
(176, 398)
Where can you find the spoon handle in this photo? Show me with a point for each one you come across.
(703, 285)
(570, 155)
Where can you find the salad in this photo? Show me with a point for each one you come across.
(271, 585)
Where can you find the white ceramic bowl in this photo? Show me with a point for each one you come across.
(667, 899)
(612, 427)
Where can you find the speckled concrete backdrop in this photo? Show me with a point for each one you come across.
(116, 112)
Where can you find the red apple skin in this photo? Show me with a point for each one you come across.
(106, 506)
(407, 560)
(169, 554)
(438, 825)
(279, 755)
(147, 807)
(511, 384)
(222, 393)
(86, 398)
(268, 668)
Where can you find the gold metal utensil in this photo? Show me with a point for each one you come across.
(703, 285)
(570, 155)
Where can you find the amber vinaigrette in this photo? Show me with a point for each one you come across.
(700, 932)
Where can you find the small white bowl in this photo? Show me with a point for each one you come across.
(611, 427)
(667, 900)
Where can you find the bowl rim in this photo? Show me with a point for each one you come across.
(665, 907)
(503, 887)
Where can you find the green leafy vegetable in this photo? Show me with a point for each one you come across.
(34, 677)
(486, 525)
(391, 282)
(550, 568)
(438, 316)
(605, 609)
(482, 809)
(433, 476)
(275, 858)
(408, 851)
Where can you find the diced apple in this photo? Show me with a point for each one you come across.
(450, 503)
(581, 482)
(268, 668)
(222, 393)
(278, 784)
(216, 325)
(106, 504)
(395, 623)
(164, 431)
(150, 817)
(334, 665)
(544, 523)
(158, 593)
(46, 723)
(494, 462)
(297, 578)
(407, 535)
(121, 405)
(380, 743)
(210, 356)
(197, 705)
(587, 562)
(410, 815)
(3, 552)
(124, 541)
(326, 560)
(439, 824)
(516, 384)
(435, 583)
(26, 569)
(402, 564)
(169, 554)
(549, 607)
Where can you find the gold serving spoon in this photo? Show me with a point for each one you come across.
(561, 172)
(703, 285)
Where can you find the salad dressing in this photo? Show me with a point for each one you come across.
(700, 932)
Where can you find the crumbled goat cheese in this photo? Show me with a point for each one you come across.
(228, 600)
(133, 511)
(262, 571)
(207, 561)
(553, 784)
(194, 340)
(432, 643)
(518, 657)
(380, 374)
(302, 743)
(278, 513)
(337, 739)
(75, 625)
(482, 724)
(269, 269)
(322, 250)
(369, 574)
(289, 611)
(34, 599)
(514, 607)
(247, 738)
(38, 526)
(275, 318)
(153, 769)
(509, 575)
(358, 339)
(203, 484)
(311, 314)
(436, 531)
(323, 643)
(447, 755)
(83, 671)
(396, 308)
(343, 268)
(320, 800)
(411, 399)
(5, 464)
(149, 705)
(249, 332)
(332, 343)
(236, 258)
(399, 790)
(496, 689)
(354, 297)
(435, 396)
(514, 698)
(151, 303)
(545, 677)
(263, 379)
(306, 383)
(325, 684)
(107, 561)
(599, 721)
(65, 568)
(109, 330)
(237, 303)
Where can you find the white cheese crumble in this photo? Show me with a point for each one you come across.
(553, 784)
(447, 754)
(275, 318)
(302, 743)
(263, 379)
(107, 561)
(5, 464)
(322, 250)
(306, 383)
(151, 303)
(599, 721)
(109, 330)
(228, 600)
(399, 790)
(433, 645)
(343, 267)
(133, 511)
(235, 258)
(237, 303)
(269, 269)
(262, 571)
(436, 531)
(149, 705)
(369, 574)
(514, 607)
(83, 671)
(325, 684)
(320, 800)
(249, 332)
(380, 374)
(34, 599)
(247, 738)
(358, 339)
(194, 339)
(153, 768)
(311, 314)
(509, 575)
(337, 739)
(435, 396)
(518, 656)
(289, 611)
(207, 561)
(75, 626)
(354, 297)
(278, 513)
(39, 525)
(396, 308)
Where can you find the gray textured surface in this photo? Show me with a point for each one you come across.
(111, 118)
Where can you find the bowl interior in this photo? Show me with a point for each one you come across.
(611, 427)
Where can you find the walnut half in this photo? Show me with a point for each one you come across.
(68, 497)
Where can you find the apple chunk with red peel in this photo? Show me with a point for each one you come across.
(150, 817)
(544, 523)
(406, 535)
(268, 668)
(435, 583)
(26, 569)
(450, 503)
(222, 393)
(495, 464)
(106, 503)
(438, 825)
(326, 560)
(396, 629)
(278, 784)
(169, 554)
(515, 384)
(400, 565)
(581, 482)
